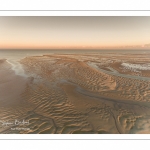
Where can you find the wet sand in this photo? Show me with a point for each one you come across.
(12, 86)
(10, 83)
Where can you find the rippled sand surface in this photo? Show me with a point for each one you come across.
(76, 93)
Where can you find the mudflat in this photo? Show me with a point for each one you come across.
(77, 93)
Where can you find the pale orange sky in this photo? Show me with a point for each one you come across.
(74, 32)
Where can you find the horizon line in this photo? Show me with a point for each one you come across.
(73, 49)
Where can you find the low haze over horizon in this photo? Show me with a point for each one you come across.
(98, 32)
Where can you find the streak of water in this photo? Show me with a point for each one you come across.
(17, 67)
(93, 65)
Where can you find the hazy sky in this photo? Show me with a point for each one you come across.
(74, 32)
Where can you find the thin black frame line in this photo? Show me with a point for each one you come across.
(74, 10)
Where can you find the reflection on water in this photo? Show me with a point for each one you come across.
(13, 56)
(94, 65)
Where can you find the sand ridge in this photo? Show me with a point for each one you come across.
(66, 95)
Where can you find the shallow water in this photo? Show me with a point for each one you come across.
(17, 67)
(17, 54)
(13, 57)
(93, 65)
(69, 101)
